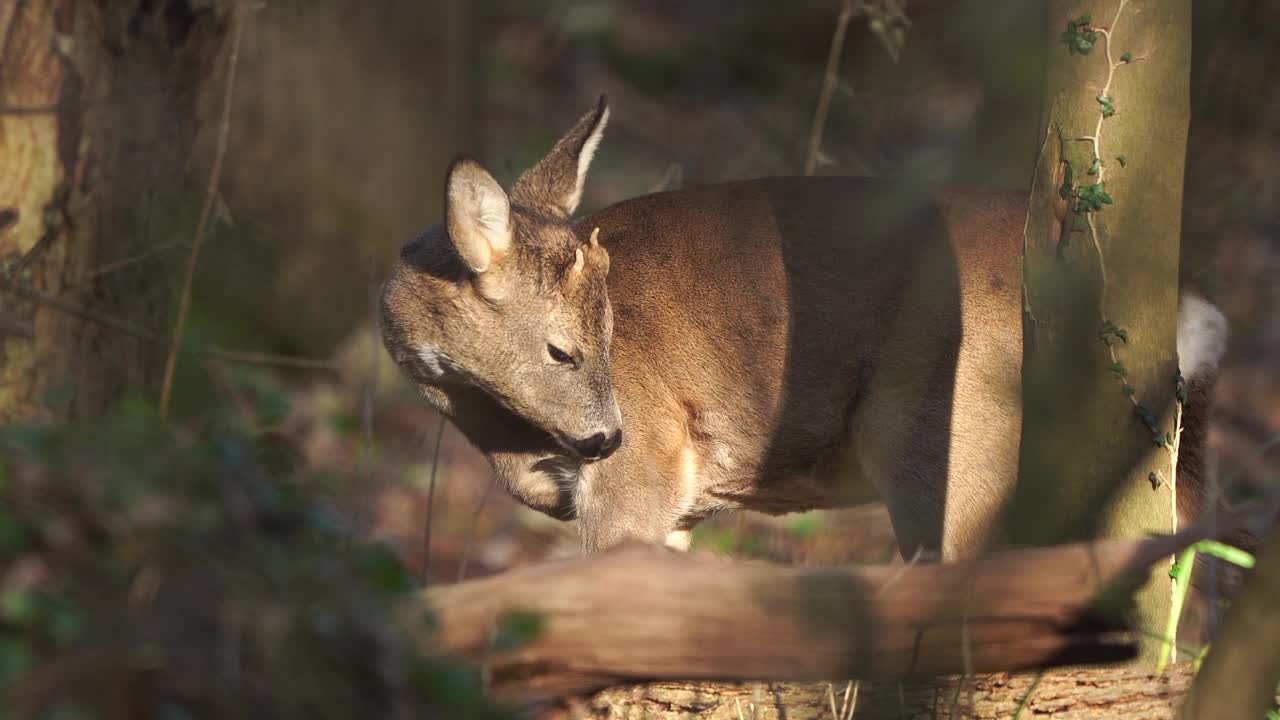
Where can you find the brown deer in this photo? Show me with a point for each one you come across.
(778, 344)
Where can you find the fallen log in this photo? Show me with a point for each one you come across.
(1092, 693)
(639, 614)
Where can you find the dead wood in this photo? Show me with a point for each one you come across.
(640, 614)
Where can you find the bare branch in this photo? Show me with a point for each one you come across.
(829, 81)
(240, 13)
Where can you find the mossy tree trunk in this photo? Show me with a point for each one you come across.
(1100, 344)
(98, 108)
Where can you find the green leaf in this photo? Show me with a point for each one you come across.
(1093, 197)
(15, 659)
(13, 537)
(384, 570)
(517, 628)
(1095, 167)
(1079, 37)
(1122, 159)
(803, 526)
(19, 606)
(1127, 57)
(1222, 551)
(1108, 105)
(64, 626)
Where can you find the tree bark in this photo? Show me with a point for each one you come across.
(642, 613)
(97, 119)
(1086, 452)
(1070, 694)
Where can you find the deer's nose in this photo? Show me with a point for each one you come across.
(599, 446)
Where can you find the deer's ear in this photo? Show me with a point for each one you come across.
(555, 183)
(477, 214)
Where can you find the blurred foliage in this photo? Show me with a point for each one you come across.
(151, 571)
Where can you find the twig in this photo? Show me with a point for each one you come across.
(829, 81)
(966, 650)
(215, 175)
(431, 505)
(371, 381)
(1022, 703)
(915, 558)
(471, 530)
(28, 109)
(145, 256)
(850, 699)
(243, 357)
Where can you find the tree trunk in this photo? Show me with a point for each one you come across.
(1099, 347)
(642, 613)
(97, 120)
(1241, 672)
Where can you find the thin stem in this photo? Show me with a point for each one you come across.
(830, 80)
(1022, 703)
(471, 531)
(240, 13)
(431, 505)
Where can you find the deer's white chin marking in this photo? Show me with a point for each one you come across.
(433, 360)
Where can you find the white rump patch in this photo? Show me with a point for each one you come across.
(1202, 336)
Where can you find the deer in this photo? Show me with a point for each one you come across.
(777, 344)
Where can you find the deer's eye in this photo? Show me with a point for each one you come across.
(560, 356)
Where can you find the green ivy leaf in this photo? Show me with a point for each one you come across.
(1093, 197)
(1079, 37)
(1122, 160)
(1096, 167)
(1108, 105)
(1126, 58)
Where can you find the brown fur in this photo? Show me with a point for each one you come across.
(777, 344)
